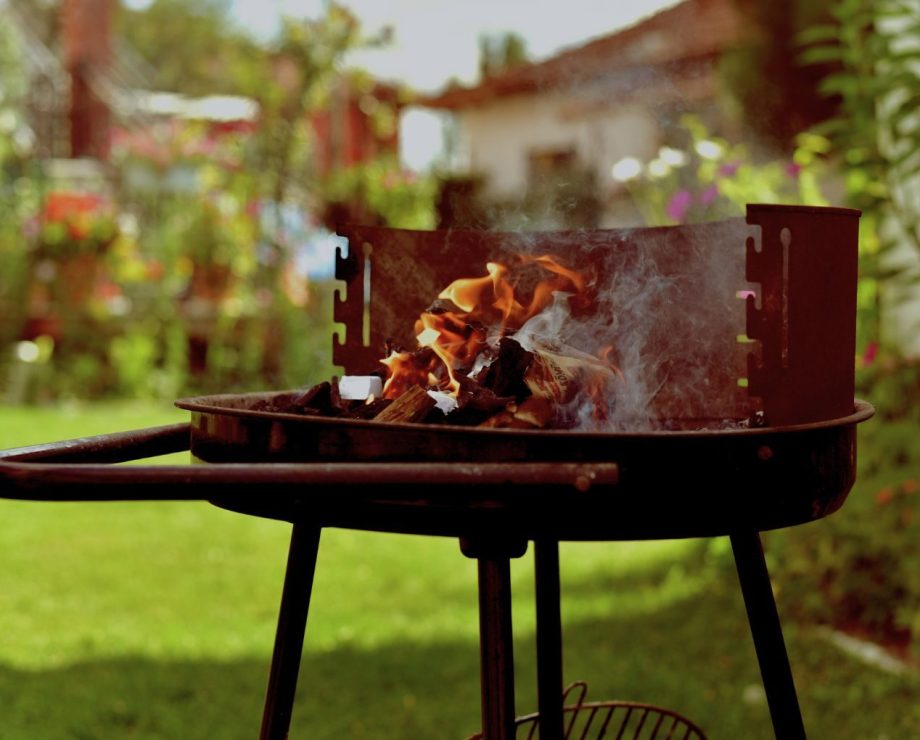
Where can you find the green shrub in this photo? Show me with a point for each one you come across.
(860, 569)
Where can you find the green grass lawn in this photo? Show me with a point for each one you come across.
(156, 620)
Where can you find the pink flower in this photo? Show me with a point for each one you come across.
(729, 168)
(679, 205)
(793, 169)
(709, 195)
(870, 354)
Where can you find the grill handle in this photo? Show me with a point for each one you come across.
(107, 448)
(35, 479)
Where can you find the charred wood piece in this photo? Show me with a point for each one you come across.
(318, 398)
(368, 410)
(412, 406)
(505, 376)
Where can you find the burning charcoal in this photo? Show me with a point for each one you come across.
(476, 404)
(336, 400)
(533, 413)
(484, 400)
(317, 399)
(505, 376)
(360, 387)
(368, 410)
(279, 406)
(412, 406)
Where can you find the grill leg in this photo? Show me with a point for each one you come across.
(292, 621)
(496, 646)
(768, 636)
(549, 639)
(496, 649)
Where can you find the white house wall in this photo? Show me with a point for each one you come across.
(496, 139)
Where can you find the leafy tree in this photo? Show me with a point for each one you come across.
(192, 45)
(300, 71)
(41, 16)
(17, 195)
(776, 96)
(874, 45)
(499, 53)
(296, 80)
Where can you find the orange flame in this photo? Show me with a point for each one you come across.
(405, 370)
(484, 304)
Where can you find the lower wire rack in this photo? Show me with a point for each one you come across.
(609, 720)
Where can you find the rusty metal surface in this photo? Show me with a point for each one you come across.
(49, 481)
(805, 262)
(800, 260)
(106, 448)
(670, 291)
(234, 425)
(613, 487)
(752, 478)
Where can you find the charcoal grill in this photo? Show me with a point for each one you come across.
(768, 442)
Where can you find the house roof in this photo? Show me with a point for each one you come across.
(691, 31)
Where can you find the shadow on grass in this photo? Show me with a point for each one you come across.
(694, 656)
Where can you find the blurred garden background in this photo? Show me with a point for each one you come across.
(171, 174)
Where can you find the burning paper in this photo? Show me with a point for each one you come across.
(490, 350)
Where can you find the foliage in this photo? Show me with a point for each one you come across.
(73, 223)
(295, 83)
(18, 194)
(379, 192)
(226, 257)
(500, 53)
(191, 46)
(712, 178)
(42, 17)
(211, 263)
(858, 569)
(877, 134)
(789, 102)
